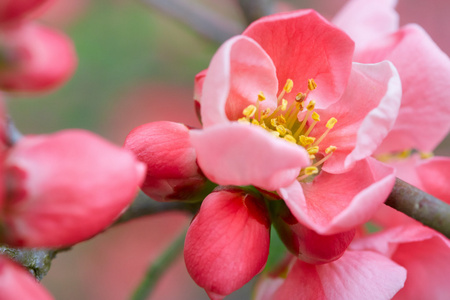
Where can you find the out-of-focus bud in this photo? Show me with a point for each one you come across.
(172, 170)
(34, 58)
(305, 243)
(12, 11)
(17, 283)
(65, 188)
(228, 241)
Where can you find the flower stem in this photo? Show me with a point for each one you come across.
(421, 206)
(157, 269)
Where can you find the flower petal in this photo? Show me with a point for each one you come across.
(423, 252)
(228, 241)
(367, 21)
(242, 154)
(66, 187)
(362, 125)
(335, 203)
(17, 283)
(434, 174)
(303, 45)
(238, 72)
(422, 122)
(356, 275)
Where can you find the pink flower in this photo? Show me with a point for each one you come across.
(172, 170)
(228, 241)
(14, 11)
(356, 275)
(424, 253)
(65, 188)
(17, 283)
(248, 83)
(28, 62)
(424, 71)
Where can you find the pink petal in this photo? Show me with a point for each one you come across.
(227, 243)
(242, 154)
(335, 203)
(356, 275)
(15, 11)
(303, 45)
(172, 170)
(305, 243)
(238, 72)
(66, 187)
(434, 174)
(423, 252)
(367, 21)
(17, 283)
(362, 125)
(424, 113)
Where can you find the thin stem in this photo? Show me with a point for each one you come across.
(157, 269)
(421, 206)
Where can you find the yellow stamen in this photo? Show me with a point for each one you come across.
(288, 86)
(261, 96)
(300, 97)
(307, 172)
(313, 150)
(255, 122)
(286, 89)
(281, 120)
(316, 118)
(290, 138)
(329, 151)
(283, 105)
(311, 84)
(305, 141)
(281, 129)
(265, 113)
(244, 120)
(273, 122)
(311, 105)
(249, 111)
(330, 124)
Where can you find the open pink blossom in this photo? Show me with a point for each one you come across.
(17, 283)
(227, 243)
(28, 53)
(423, 252)
(356, 275)
(172, 170)
(65, 188)
(310, 146)
(424, 70)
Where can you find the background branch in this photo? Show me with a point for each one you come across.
(202, 20)
(255, 9)
(420, 206)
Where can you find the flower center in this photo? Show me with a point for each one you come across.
(294, 123)
(389, 157)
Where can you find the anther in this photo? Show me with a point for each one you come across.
(249, 111)
(288, 86)
(261, 96)
(300, 97)
(311, 84)
(331, 122)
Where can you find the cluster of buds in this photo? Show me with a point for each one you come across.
(58, 189)
(28, 49)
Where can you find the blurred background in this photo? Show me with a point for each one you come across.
(136, 65)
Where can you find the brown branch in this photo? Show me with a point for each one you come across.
(204, 21)
(255, 9)
(420, 206)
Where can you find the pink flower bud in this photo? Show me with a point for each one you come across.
(34, 58)
(228, 241)
(65, 188)
(305, 243)
(18, 10)
(172, 170)
(17, 283)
